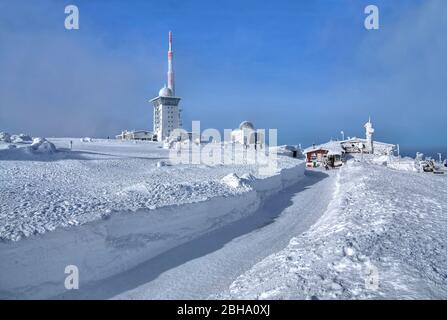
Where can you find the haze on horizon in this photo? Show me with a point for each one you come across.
(308, 68)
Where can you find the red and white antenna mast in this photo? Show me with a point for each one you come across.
(171, 82)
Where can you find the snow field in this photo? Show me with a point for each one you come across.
(161, 208)
(41, 192)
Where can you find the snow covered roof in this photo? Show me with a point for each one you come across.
(354, 139)
(165, 92)
(142, 131)
(246, 125)
(333, 147)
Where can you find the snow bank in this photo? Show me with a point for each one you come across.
(233, 181)
(403, 164)
(382, 237)
(34, 267)
(5, 137)
(21, 138)
(393, 162)
(42, 145)
(38, 148)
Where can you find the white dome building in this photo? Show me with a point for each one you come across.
(165, 92)
(246, 125)
(247, 135)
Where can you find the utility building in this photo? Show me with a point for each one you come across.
(247, 135)
(135, 135)
(166, 106)
(333, 152)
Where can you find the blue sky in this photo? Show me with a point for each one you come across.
(308, 68)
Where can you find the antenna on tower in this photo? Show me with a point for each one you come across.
(171, 82)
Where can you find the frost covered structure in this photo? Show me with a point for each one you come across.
(34, 267)
(167, 115)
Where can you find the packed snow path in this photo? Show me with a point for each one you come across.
(382, 237)
(207, 265)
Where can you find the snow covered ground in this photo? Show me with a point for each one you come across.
(107, 206)
(207, 265)
(383, 236)
(41, 192)
(137, 230)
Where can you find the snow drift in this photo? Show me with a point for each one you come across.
(42, 145)
(23, 147)
(5, 137)
(21, 138)
(396, 163)
(34, 267)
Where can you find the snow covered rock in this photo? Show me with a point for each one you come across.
(233, 181)
(21, 138)
(42, 145)
(5, 137)
(348, 251)
(161, 164)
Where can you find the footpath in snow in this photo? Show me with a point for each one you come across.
(383, 236)
(206, 266)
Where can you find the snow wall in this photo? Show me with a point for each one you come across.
(33, 268)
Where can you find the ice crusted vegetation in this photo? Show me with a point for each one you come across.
(383, 236)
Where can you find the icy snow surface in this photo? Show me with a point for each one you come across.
(364, 231)
(41, 192)
(383, 236)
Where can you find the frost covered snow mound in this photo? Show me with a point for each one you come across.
(5, 137)
(234, 181)
(22, 147)
(42, 145)
(383, 236)
(15, 138)
(21, 138)
(396, 163)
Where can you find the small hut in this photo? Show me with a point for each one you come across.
(330, 153)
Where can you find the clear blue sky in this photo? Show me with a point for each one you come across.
(308, 68)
